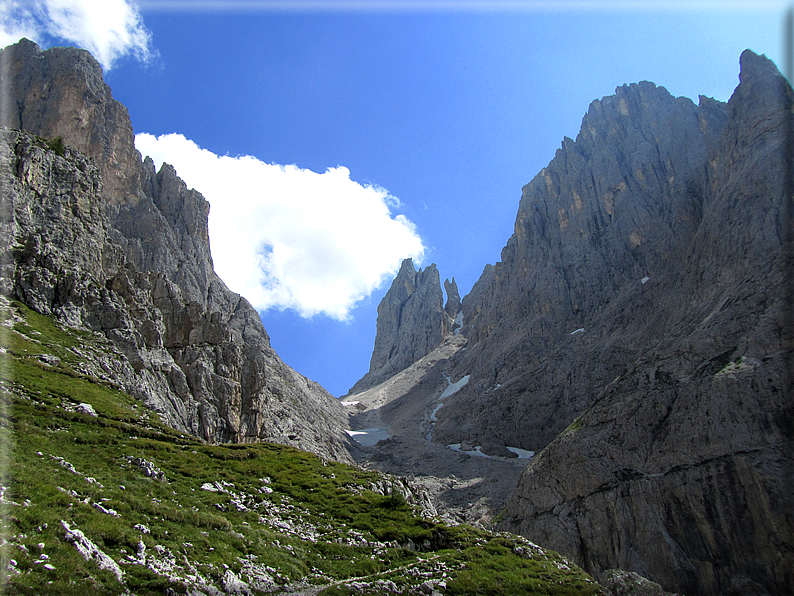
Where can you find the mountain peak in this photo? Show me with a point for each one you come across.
(60, 92)
(116, 248)
(412, 321)
(754, 65)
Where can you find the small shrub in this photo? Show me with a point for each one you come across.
(393, 501)
(57, 145)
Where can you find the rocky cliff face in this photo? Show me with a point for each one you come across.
(582, 286)
(648, 283)
(412, 322)
(638, 331)
(100, 240)
(61, 92)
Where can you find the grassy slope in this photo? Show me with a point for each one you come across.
(277, 516)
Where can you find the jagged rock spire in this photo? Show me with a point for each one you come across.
(411, 322)
(453, 298)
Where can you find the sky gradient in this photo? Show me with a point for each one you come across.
(437, 113)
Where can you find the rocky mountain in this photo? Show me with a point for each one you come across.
(681, 468)
(412, 321)
(99, 497)
(581, 289)
(108, 303)
(95, 237)
(637, 333)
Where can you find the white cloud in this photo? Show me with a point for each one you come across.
(285, 237)
(109, 29)
(16, 23)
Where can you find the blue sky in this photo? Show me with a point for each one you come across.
(434, 114)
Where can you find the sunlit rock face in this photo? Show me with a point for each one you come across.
(61, 92)
(94, 236)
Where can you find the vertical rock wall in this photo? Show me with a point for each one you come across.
(412, 322)
(108, 244)
(681, 467)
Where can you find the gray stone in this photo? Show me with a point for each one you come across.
(680, 467)
(61, 92)
(637, 335)
(98, 239)
(620, 203)
(86, 409)
(411, 322)
(626, 583)
(453, 306)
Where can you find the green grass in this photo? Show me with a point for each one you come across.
(281, 513)
(57, 146)
(575, 425)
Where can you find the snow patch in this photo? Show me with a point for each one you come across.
(455, 387)
(580, 330)
(368, 437)
(644, 280)
(433, 414)
(475, 451)
(522, 453)
(349, 403)
(459, 322)
(451, 388)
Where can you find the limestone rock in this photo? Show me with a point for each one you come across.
(411, 322)
(453, 306)
(106, 243)
(61, 92)
(626, 583)
(619, 204)
(680, 468)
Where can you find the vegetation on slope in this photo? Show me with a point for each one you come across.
(99, 497)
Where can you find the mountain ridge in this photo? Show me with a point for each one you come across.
(704, 417)
(143, 275)
(637, 335)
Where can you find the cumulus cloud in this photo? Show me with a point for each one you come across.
(109, 29)
(289, 238)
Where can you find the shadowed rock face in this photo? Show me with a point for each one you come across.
(638, 334)
(412, 322)
(566, 309)
(680, 466)
(109, 244)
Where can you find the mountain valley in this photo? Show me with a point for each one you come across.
(617, 388)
